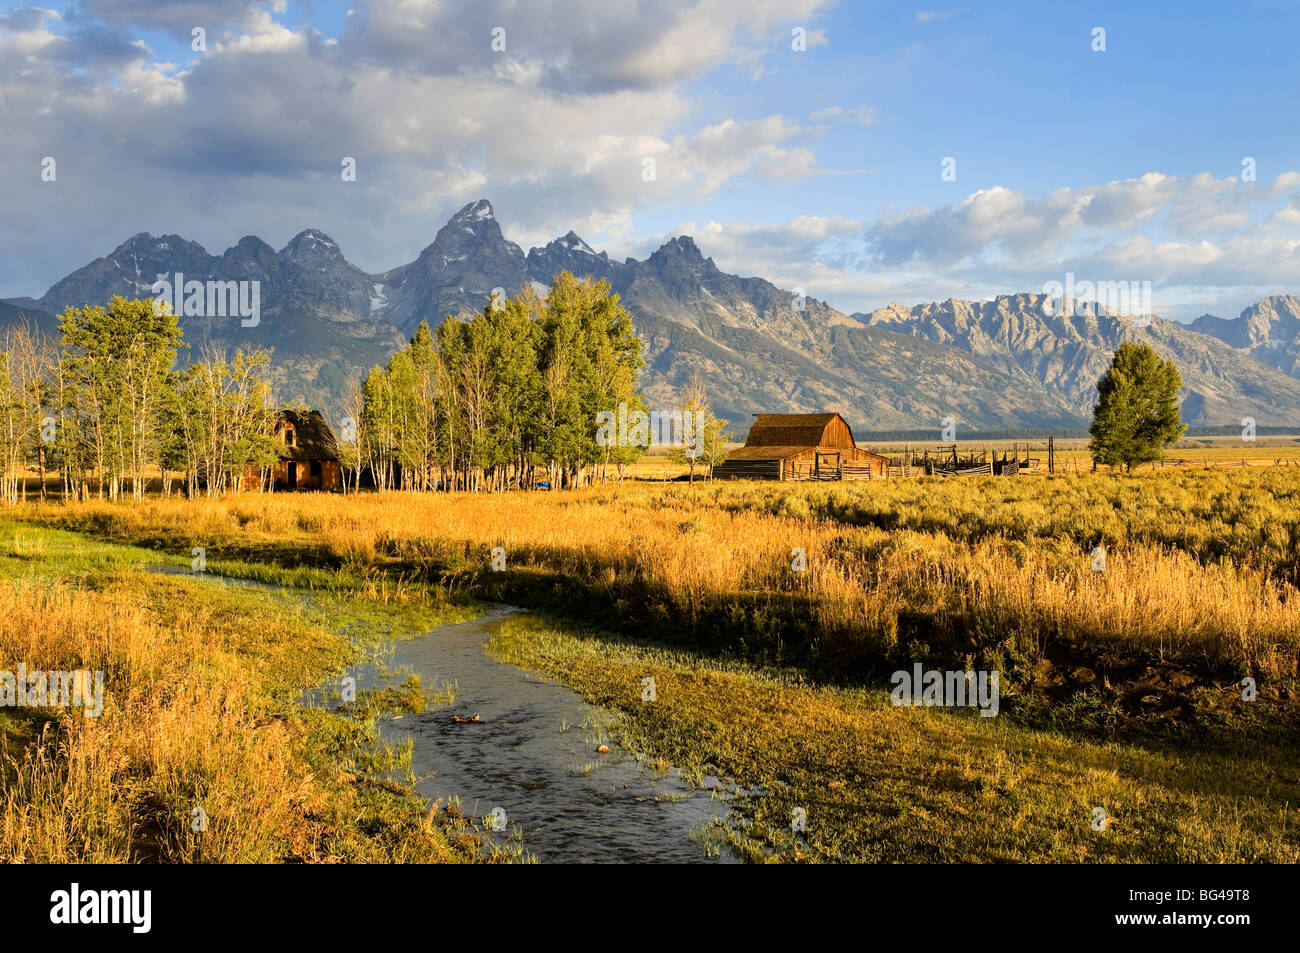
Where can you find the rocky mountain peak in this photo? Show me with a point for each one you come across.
(312, 248)
(456, 273)
(571, 242)
(249, 258)
(1268, 330)
(480, 211)
(471, 233)
(147, 243)
(683, 246)
(569, 253)
(680, 258)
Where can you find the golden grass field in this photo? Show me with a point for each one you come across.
(1120, 687)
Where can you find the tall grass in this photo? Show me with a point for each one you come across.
(1200, 566)
(199, 714)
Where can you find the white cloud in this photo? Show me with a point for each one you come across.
(861, 115)
(1185, 235)
(249, 136)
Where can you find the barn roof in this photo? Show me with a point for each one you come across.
(313, 438)
(788, 430)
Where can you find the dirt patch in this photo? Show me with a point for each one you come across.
(1130, 695)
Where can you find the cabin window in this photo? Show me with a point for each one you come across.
(315, 468)
(288, 436)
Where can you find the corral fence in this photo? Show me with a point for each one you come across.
(948, 461)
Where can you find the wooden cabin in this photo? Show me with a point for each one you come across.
(800, 447)
(309, 453)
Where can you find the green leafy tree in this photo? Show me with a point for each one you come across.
(10, 432)
(488, 400)
(708, 433)
(119, 361)
(222, 423)
(1137, 413)
(379, 424)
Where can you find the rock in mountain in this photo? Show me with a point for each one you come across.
(1269, 331)
(456, 274)
(1067, 349)
(573, 255)
(314, 306)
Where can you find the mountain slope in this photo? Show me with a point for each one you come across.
(992, 365)
(759, 353)
(1068, 352)
(455, 274)
(18, 311)
(1269, 331)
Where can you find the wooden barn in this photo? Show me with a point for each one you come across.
(309, 453)
(800, 447)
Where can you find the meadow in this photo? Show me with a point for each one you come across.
(771, 617)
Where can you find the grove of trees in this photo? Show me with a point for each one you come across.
(106, 409)
(507, 399)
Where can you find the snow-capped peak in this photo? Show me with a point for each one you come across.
(480, 211)
(571, 242)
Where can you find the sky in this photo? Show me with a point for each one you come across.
(865, 152)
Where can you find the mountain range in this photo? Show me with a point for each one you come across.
(1015, 362)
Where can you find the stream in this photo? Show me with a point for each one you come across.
(532, 755)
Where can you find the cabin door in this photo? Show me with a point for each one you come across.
(291, 475)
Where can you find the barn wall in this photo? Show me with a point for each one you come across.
(800, 467)
(333, 475)
(865, 458)
(837, 434)
(748, 470)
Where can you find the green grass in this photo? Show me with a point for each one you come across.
(887, 784)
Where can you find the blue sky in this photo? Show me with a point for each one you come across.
(817, 168)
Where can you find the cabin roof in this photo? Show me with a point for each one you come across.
(313, 438)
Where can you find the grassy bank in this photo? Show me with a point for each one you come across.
(879, 783)
(201, 683)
